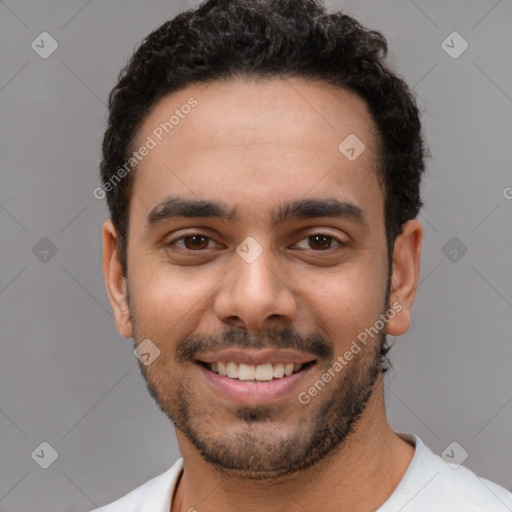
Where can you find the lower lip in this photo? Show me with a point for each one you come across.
(254, 391)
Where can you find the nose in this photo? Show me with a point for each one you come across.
(254, 295)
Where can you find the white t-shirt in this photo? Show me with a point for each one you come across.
(429, 485)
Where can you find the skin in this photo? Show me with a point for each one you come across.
(254, 144)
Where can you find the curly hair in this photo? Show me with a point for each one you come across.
(222, 39)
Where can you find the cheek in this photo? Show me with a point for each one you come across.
(166, 309)
(347, 301)
(168, 301)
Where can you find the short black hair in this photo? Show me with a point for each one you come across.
(223, 39)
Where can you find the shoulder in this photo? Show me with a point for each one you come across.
(430, 483)
(472, 490)
(155, 495)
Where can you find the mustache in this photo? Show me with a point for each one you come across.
(275, 337)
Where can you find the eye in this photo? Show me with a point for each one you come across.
(193, 242)
(197, 242)
(320, 242)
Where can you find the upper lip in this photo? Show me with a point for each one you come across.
(256, 357)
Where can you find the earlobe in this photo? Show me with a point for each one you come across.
(115, 282)
(405, 276)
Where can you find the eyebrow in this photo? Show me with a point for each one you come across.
(176, 206)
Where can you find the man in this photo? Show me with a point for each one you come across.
(262, 167)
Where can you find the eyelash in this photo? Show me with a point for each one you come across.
(184, 249)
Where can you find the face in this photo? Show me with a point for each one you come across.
(257, 247)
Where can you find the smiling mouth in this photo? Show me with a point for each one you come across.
(255, 373)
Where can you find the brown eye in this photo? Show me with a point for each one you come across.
(319, 242)
(192, 243)
(195, 242)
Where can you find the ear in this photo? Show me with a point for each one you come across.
(405, 276)
(115, 281)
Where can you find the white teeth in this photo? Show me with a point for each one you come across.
(278, 370)
(232, 370)
(260, 372)
(264, 372)
(288, 369)
(221, 368)
(246, 371)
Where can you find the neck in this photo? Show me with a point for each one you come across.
(358, 477)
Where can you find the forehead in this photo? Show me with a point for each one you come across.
(274, 139)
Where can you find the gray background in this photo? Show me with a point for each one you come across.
(66, 375)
